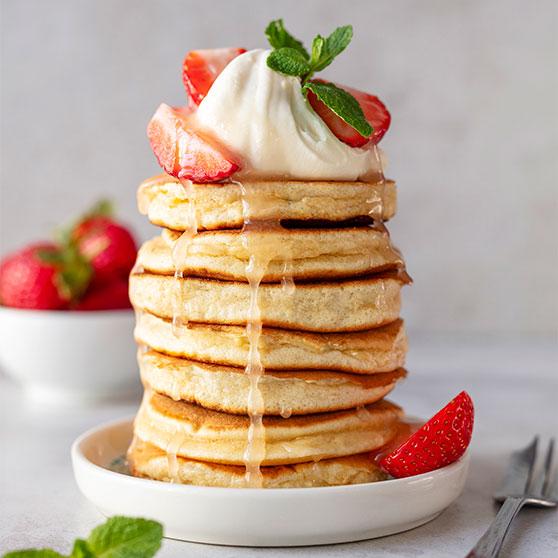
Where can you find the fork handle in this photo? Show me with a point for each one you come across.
(490, 543)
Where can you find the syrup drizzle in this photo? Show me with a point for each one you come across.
(261, 253)
(180, 252)
(179, 257)
(173, 447)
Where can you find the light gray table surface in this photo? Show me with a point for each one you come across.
(514, 384)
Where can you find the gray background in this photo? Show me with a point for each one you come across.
(472, 86)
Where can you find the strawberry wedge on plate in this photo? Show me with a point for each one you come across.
(439, 442)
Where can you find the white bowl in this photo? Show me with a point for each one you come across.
(259, 517)
(66, 356)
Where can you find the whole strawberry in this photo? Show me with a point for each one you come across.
(106, 245)
(439, 442)
(43, 276)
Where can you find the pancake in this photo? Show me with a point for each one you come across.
(201, 434)
(219, 206)
(343, 305)
(146, 460)
(378, 350)
(225, 388)
(310, 253)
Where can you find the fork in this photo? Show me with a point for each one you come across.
(523, 485)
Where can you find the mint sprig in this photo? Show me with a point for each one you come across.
(118, 537)
(290, 57)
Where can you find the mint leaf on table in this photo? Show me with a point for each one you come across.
(279, 37)
(343, 104)
(118, 537)
(33, 553)
(125, 537)
(288, 61)
(81, 550)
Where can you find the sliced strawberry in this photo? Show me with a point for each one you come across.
(201, 68)
(374, 110)
(441, 441)
(184, 153)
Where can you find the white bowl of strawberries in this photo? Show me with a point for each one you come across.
(66, 323)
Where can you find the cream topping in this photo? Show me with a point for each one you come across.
(263, 117)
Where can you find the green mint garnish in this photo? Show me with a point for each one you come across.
(325, 50)
(121, 537)
(289, 61)
(290, 57)
(118, 537)
(279, 37)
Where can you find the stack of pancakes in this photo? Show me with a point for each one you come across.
(331, 346)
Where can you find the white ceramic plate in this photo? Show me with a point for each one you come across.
(259, 517)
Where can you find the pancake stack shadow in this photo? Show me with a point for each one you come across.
(332, 345)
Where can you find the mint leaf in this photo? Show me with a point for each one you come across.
(125, 537)
(33, 553)
(343, 104)
(81, 550)
(288, 61)
(332, 46)
(279, 37)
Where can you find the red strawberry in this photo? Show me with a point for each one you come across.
(111, 296)
(441, 441)
(374, 110)
(201, 68)
(108, 246)
(43, 276)
(184, 153)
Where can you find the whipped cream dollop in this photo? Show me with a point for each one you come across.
(263, 117)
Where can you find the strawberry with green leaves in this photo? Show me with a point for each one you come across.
(87, 269)
(107, 245)
(43, 276)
